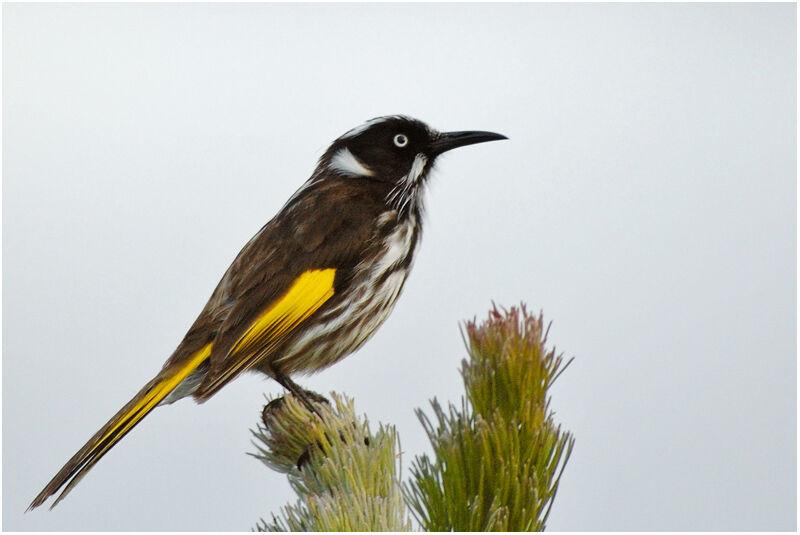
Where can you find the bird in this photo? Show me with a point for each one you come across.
(310, 287)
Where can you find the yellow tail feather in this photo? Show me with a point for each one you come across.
(111, 433)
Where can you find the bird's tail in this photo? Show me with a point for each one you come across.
(116, 428)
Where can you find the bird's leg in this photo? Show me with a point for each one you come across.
(297, 391)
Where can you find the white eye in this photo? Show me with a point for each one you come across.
(400, 140)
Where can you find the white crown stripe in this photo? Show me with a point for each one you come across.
(353, 132)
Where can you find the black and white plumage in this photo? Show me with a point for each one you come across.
(311, 286)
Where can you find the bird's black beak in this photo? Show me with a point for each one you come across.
(452, 140)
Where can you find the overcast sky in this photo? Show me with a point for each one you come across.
(645, 202)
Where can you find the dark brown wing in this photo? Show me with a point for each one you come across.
(299, 263)
(296, 267)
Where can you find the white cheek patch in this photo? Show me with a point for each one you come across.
(344, 162)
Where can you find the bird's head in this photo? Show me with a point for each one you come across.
(397, 150)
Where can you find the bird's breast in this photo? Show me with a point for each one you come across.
(363, 305)
(398, 243)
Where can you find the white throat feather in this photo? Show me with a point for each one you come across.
(407, 190)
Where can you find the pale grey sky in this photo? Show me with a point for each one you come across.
(646, 202)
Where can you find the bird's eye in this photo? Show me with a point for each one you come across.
(400, 140)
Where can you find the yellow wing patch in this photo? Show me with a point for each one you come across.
(306, 295)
